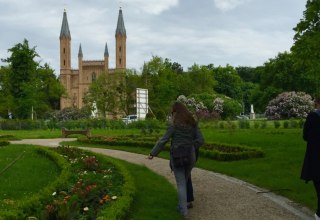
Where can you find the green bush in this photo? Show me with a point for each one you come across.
(244, 124)
(263, 124)
(301, 123)
(4, 143)
(277, 124)
(286, 124)
(293, 124)
(13, 124)
(221, 125)
(256, 124)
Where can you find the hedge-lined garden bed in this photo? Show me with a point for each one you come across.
(90, 186)
(214, 151)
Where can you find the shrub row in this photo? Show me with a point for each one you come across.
(215, 151)
(226, 152)
(4, 143)
(256, 124)
(95, 123)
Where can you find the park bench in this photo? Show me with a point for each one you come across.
(66, 133)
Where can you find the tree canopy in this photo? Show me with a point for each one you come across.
(28, 87)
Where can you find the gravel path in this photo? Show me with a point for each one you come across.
(216, 196)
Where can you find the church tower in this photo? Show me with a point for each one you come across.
(121, 47)
(65, 59)
(77, 81)
(65, 44)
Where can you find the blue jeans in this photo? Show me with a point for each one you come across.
(190, 197)
(182, 174)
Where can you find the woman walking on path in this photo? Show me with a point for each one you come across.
(184, 134)
(311, 164)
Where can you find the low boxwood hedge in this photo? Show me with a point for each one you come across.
(214, 151)
(4, 143)
(26, 207)
(38, 205)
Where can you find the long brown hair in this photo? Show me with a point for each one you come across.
(182, 116)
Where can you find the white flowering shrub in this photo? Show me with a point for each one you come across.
(197, 108)
(218, 105)
(289, 105)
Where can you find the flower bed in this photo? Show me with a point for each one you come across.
(214, 151)
(89, 187)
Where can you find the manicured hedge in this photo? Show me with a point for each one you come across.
(120, 208)
(34, 206)
(214, 151)
(4, 143)
(22, 209)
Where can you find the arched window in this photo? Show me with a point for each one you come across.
(93, 77)
(120, 49)
(120, 61)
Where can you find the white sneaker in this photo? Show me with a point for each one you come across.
(316, 216)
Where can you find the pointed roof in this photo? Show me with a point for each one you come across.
(80, 52)
(121, 30)
(65, 32)
(106, 52)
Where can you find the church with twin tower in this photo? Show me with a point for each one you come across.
(77, 81)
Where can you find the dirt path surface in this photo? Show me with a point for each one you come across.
(216, 196)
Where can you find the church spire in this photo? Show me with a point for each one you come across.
(121, 30)
(65, 32)
(106, 52)
(80, 54)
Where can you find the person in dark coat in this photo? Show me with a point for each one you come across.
(183, 132)
(311, 165)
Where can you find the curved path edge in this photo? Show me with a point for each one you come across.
(217, 196)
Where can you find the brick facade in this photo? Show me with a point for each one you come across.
(77, 81)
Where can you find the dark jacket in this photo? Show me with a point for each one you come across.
(311, 134)
(180, 136)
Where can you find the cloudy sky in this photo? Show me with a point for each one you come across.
(235, 32)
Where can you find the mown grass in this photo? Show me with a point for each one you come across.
(155, 198)
(278, 171)
(56, 133)
(152, 189)
(27, 175)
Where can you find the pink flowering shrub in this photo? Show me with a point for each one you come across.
(197, 108)
(289, 105)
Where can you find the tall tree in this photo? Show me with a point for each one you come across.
(48, 90)
(202, 78)
(306, 46)
(105, 93)
(229, 82)
(21, 78)
(281, 73)
(29, 86)
(6, 98)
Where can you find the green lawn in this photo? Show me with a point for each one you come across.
(156, 198)
(30, 173)
(279, 170)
